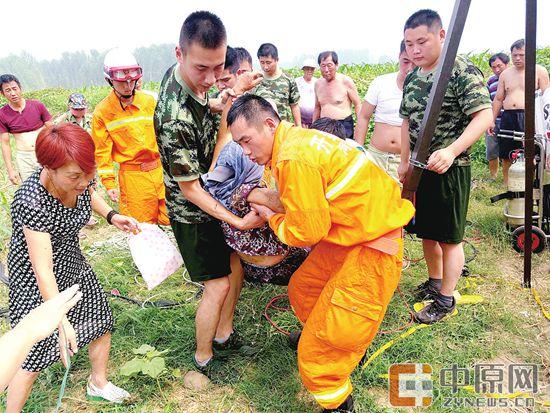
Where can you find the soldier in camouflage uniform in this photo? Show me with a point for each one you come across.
(77, 112)
(443, 193)
(277, 86)
(186, 136)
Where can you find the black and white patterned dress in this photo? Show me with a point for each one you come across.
(35, 208)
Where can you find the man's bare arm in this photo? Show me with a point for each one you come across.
(267, 197)
(193, 191)
(441, 160)
(353, 95)
(6, 155)
(543, 79)
(223, 137)
(363, 120)
(295, 109)
(498, 102)
(317, 110)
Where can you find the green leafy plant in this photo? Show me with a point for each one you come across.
(148, 361)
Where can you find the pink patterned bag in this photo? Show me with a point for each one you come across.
(154, 254)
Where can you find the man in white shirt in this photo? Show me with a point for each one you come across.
(306, 87)
(383, 99)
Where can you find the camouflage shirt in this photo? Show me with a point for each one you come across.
(85, 123)
(186, 138)
(284, 92)
(466, 94)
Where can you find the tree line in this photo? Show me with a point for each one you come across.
(82, 68)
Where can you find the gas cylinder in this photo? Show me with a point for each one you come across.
(514, 209)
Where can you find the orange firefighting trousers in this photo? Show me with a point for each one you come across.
(341, 295)
(142, 195)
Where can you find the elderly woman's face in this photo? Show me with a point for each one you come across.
(70, 178)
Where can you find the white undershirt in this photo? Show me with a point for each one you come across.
(386, 96)
(307, 93)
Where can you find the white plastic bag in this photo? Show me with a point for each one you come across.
(154, 254)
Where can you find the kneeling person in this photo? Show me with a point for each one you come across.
(352, 212)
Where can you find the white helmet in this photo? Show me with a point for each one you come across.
(121, 65)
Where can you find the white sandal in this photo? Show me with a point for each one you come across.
(110, 393)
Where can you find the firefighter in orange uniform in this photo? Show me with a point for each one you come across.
(340, 202)
(122, 128)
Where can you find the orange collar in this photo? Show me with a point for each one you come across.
(280, 133)
(137, 102)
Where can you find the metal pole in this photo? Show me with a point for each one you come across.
(437, 93)
(530, 71)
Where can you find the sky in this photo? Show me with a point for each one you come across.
(45, 29)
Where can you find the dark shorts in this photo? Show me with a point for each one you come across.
(348, 126)
(491, 143)
(203, 248)
(511, 120)
(279, 273)
(441, 205)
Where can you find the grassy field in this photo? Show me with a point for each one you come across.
(506, 327)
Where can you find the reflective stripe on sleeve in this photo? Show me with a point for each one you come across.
(337, 187)
(281, 232)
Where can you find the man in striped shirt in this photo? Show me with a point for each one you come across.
(498, 63)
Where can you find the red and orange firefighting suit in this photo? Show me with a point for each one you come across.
(339, 201)
(126, 136)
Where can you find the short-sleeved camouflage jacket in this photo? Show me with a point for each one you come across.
(465, 95)
(186, 148)
(85, 123)
(284, 92)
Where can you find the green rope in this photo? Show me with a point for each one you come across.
(66, 376)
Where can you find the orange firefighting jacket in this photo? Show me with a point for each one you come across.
(331, 191)
(123, 135)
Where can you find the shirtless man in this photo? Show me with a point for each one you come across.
(510, 97)
(335, 93)
(23, 118)
(383, 99)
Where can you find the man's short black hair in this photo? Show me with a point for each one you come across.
(204, 28)
(268, 50)
(242, 55)
(234, 58)
(230, 60)
(424, 17)
(328, 125)
(252, 108)
(402, 47)
(7, 78)
(503, 57)
(323, 55)
(518, 44)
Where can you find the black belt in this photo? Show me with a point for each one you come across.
(508, 195)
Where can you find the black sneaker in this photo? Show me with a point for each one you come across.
(234, 344)
(425, 291)
(211, 369)
(434, 312)
(346, 407)
(294, 339)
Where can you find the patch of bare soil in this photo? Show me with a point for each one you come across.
(216, 399)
